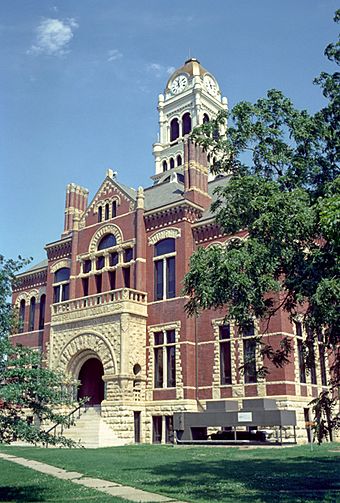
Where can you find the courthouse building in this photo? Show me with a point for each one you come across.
(106, 305)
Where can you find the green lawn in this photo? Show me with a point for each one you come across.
(19, 484)
(208, 474)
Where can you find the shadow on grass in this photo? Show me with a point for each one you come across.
(29, 493)
(253, 480)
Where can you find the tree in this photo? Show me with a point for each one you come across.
(283, 188)
(30, 393)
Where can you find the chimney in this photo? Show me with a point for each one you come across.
(75, 205)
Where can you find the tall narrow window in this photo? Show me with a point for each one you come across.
(112, 280)
(165, 273)
(85, 282)
(311, 357)
(174, 129)
(172, 163)
(186, 124)
(107, 211)
(100, 213)
(170, 359)
(301, 352)
(165, 166)
(128, 254)
(114, 209)
(32, 315)
(42, 306)
(322, 360)
(126, 277)
(165, 359)
(22, 311)
(179, 160)
(249, 354)
(158, 358)
(100, 262)
(205, 118)
(99, 283)
(225, 354)
(302, 367)
(61, 285)
(113, 259)
(87, 266)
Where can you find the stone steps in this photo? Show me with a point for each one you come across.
(91, 431)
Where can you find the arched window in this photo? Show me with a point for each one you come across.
(165, 166)
(42, 311)
(61, 285)
(22, 310)
(107, 241)
(100, 214)
(205, 118)
(114, 209)
(174, 129)
(107, 211)
(179, 160)
(32, 315)
(186, 123)
(172, 163)
(165, 277)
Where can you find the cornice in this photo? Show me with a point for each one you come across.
(30, 279)
(172, 214)
(59, 249)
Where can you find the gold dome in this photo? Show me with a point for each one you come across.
(191, 67)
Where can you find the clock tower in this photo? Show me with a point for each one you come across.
(191, 97)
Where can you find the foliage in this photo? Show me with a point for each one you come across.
(282, 186)
(325, 419)
(30, 393)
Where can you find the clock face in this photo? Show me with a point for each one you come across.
(210, 85)
(179, 84)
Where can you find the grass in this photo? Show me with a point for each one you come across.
(19, 484)
(208, 474)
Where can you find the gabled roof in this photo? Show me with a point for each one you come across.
(41, 265)
(222, 180)
(162, 194)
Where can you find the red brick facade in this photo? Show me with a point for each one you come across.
(175, 209)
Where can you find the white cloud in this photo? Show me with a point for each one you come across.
(114, 54)
(160, 70)
(53, 36)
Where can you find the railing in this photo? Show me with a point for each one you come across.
(123, 294)
(69, 420)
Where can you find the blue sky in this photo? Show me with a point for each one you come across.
(79, 81)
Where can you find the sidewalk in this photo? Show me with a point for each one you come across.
(106, 486)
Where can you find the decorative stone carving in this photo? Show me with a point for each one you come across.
(23, 296)
(106, 229)
(60, 264)
(72, 353)
(170, 232)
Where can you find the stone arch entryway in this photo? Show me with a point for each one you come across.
(89, 358)
(91, 381)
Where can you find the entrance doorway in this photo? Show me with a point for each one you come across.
(91, 382)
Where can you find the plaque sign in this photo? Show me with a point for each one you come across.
(243, 417)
